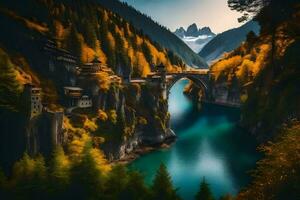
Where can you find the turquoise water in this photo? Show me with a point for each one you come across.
(209, 145)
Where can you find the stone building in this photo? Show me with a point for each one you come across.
(85, 102)
(72, 96)
(94, 67)
(61, 61)
(34, 98)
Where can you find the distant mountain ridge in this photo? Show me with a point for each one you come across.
(155, 31)
(196, 38)
(193, 31)
(227, 41)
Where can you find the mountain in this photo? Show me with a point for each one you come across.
(195, 38)
(227, 41)
(101, 34)
(155, 31)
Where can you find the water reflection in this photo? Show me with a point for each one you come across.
(210, 145)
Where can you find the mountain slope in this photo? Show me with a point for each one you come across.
(227, 41)
(101, 34)
(155, 31)
(195, 38)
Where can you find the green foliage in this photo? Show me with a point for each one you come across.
(29, 178)
(86, 179)
(275, 90)
(116, 183)
(227, 197)
(2, 184)
(136, 188)
(65, 178)
(162, 187)
(204, 192)
(60, 168)
(277, 176)
(73, 42)
(10, 88)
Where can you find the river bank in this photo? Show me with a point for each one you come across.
(145, 149)
(210, 144)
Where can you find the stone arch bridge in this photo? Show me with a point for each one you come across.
(199, 77)
(166, 80)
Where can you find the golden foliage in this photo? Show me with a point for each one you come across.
(77, 145)
(142, 64)
(59, 29)
(224, 65)
(102, 115)
(99, 53)
(139, 40)
(244, 68)
(88, 54)
(24, 168)
(264, 50)
(112, 115)
(80, 140)
(243, 63)
(128, 30)
(90, 125)
(111, 41)
(278, 171)
(101, 163)
(103, 81)
(29, 23)
(142, 121)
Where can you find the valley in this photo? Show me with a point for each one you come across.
(116, 100)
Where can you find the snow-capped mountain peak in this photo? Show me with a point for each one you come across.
(196, 38)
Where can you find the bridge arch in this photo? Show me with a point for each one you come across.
(201, 82)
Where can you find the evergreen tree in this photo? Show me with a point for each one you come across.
(60, 168)
(73, 42)
(204, 193)
(29, 178)
(226, 197)
(10, 88)
(86, 179)
(116, 183)
(162, 187)
(90, 35)
(136, 188)
(2, 183)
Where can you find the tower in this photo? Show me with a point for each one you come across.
(161, 69)
(34, 99)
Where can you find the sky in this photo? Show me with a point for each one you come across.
(182, 13)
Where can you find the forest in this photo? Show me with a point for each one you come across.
(264, 69)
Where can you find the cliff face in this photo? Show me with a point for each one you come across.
(219, 93)
(142, 119)
(121, 118)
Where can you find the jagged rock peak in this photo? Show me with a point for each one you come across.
(193, 31)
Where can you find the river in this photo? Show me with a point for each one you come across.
(209, 145)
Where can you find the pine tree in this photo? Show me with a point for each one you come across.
(86, 179)
(73, 42)
(204, 192)
(162, 187)
(2, 183)
(90, 35)
(10, 88)
(226, 197)
(116, 183)
(60, 168)
(136, 188)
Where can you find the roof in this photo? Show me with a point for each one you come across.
(73, 88)
(160, 66)
(96, 60)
